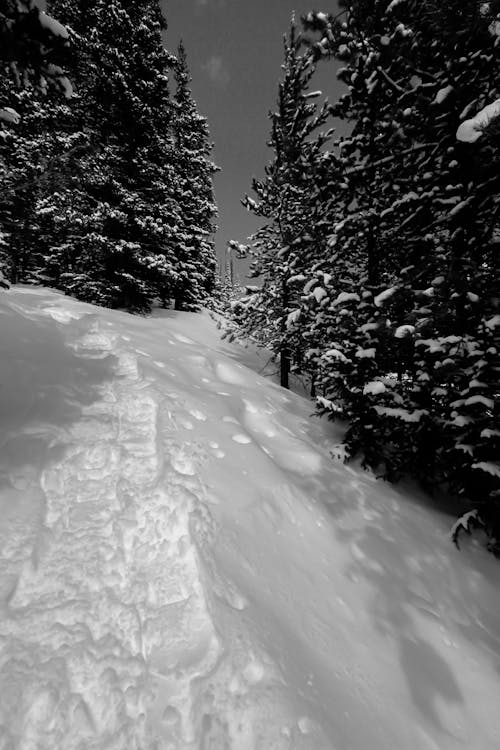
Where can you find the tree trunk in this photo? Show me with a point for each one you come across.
(285, 368)
(372, 253)
(313, 387)
(285, 355)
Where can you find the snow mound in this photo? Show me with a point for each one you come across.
(183, 566)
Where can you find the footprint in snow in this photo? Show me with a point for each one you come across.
(182, 463)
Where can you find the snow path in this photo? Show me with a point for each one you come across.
(109, 626)
(183, 566)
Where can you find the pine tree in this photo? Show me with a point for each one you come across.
(114, 223)
(109, 197)
(194, 194)
(33, 47)
(414, 361)
(287, 198)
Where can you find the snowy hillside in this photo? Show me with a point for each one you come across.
(182, 565)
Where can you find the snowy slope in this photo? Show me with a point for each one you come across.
(183, 566)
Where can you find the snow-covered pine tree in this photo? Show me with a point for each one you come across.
(228, 289)
(105, 204)
(195, 252)
(114, 225)
(33, 46)
(288, 200)
(32, 49)
(352, 345)
(424, 401)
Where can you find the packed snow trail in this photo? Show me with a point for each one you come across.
(183, 566)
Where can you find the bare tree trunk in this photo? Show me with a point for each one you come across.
(285, 356)
(313, 387)
(285, 368)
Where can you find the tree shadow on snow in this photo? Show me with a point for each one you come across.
(44, 386)
(425, 593)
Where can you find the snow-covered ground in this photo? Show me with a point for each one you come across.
(182, 565)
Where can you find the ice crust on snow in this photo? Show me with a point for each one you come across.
(165, 586)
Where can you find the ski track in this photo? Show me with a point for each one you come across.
(109, 632)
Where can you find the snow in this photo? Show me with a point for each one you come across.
(471, 130)
(374, 388)
(327, 404)
(393, 4)
(459, 207)
(490, 433)
(4, 284)
(402, 332)
(366, 353)
(66, 86)
(493, 322)
(403, 414)
(434, 346)
(366, 327)
(488, 402)
(183, 565)
(55, 28)
(463, 523)
(443, 94)
(319, 293)
(7, 114)
(489, 467)
(383, 296)
(292, 318)
(335, 354)
(345, 297)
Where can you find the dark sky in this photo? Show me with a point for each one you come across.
(235, 52)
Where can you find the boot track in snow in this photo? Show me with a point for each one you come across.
(110, 628)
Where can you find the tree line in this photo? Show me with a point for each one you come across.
(378, 254)
(106, 190)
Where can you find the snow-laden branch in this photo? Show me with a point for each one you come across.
(389, 159)
(472, 130)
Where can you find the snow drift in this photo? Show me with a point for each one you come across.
(183, 565)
